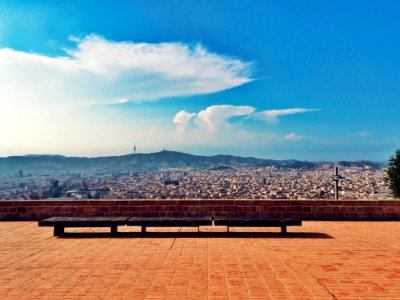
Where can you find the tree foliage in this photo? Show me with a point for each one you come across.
(393, 174)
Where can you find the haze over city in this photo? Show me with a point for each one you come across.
(270, 79)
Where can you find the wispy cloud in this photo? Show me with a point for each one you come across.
(274, 114)
(292, 136)
(103, 71)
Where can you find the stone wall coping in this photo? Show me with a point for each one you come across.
(225, 202)
(315, 209)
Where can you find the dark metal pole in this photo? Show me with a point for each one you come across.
(336, 178)
(336, 182)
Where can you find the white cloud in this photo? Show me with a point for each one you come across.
(273, 115)
(52, 94)
(182, 119)
(211, 126)
(214, 117)
(121, 101)
(101, 71)
(292, 136)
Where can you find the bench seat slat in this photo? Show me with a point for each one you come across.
(169, 222)
(84, 221)
(256, 222)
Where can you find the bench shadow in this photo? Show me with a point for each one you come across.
(289, 235)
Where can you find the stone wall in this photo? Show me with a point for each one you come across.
(305, 209)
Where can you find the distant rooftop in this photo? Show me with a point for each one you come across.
(320, 260)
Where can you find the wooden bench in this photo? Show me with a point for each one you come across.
(59, 223)
(169, 222)
(256, 222)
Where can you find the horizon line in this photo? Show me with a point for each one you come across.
(166, 150)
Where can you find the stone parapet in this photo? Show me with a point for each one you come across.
(305, 209)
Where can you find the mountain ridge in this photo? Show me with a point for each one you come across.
(151, 161)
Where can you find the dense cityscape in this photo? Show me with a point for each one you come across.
(358, 182)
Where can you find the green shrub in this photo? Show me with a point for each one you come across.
(393, 174)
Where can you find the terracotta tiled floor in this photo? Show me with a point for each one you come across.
(320, 260)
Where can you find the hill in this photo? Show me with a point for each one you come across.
(148, 161)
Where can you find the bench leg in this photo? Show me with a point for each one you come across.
(58, 230)
(143, 229)
(114, 230)
(283, 229)
(227, 228)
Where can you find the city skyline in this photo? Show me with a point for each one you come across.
(269, 79)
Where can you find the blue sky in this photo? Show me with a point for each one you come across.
(315, 80)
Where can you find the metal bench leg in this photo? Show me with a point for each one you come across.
(283, 229)
(58, 230)
(143, 229)
(114, 230)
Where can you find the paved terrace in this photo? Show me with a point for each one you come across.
(320, 260)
